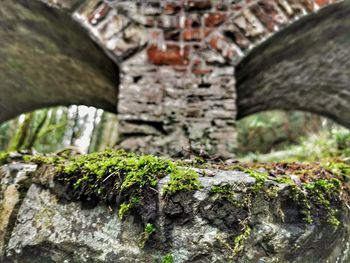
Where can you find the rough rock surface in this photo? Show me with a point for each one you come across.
(37, 226)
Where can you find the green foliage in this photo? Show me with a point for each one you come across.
(168, 258)
(340, 169)
(326, 145)
(342, 140)
(273, 130)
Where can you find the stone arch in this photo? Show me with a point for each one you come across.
(170, 65)
(46, 59)
(304, 67)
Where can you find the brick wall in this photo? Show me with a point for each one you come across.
(177, 62)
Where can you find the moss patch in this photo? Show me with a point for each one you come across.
(118, 178)
(319, 189)
(168, 258)
(147, 233)
(4, 157)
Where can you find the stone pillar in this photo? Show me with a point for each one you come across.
(177, 58)
(165, 109)
(178, 93)
(177, 86)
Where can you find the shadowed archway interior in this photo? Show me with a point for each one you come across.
(47, 59)
(304, 67)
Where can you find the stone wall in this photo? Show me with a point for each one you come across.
(177, 60)
(39, 226)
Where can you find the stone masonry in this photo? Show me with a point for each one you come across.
(177, 61)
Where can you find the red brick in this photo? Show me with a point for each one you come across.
(208, 31)
(200, 68)
(149, 21)
(322, 2)
(215, 41)
(221, 44)
(214, 19)
(172, 8)
(192, 34)
(237, 7)
(172, 55)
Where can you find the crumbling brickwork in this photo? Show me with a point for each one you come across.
(177, 60)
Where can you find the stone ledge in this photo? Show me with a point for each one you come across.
(231, 218)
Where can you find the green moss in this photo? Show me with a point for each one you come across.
(240, 240)
(149, 230)
(39, 159)
(322, 192)
(182, 179)
(168, 258)
(340, 169)
(260, 177)
(284, 180)
(318, 194)
(125, 207)
(315, 195)
(227, 192)
(4, 157)
(109, 174)
(302, 199)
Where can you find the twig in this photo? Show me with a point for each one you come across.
(108, 177)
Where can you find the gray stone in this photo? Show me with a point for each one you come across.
(192, 227)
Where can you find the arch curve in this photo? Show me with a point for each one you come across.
(47, 60)
(305, 67)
